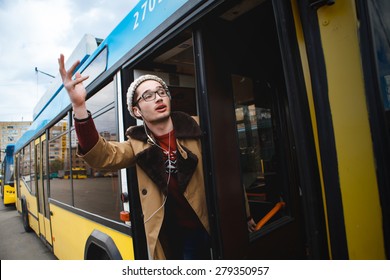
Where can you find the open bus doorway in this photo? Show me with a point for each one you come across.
(251, 144)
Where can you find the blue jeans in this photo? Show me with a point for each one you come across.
(196, 245)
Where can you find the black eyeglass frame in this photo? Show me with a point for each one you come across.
(160, 91)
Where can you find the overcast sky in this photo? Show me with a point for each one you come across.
(34, 33)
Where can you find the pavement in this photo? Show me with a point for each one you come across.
(15, 243)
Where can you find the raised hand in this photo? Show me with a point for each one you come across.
(75, 88)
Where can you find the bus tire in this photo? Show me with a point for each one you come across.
(25, 218)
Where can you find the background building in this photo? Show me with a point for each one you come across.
(10, 132)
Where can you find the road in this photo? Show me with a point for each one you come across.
(15, 243)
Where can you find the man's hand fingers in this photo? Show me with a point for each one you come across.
(80, 79)
(73, 67)
(61, 66)
(64, 73)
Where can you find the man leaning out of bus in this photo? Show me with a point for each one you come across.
(166, 151)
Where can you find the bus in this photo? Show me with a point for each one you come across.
(293, 101)
(75, 173)
(7, 181)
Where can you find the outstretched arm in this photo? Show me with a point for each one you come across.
(87, 134)
(75, 88)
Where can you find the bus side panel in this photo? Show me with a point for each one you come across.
(71, 231)
(32, 207)
(41, 224)
(48, 231)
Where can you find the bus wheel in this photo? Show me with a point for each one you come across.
(26, 224)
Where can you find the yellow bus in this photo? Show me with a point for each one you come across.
(293, 101)
(77, 173)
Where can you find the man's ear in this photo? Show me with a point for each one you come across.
(137, 112)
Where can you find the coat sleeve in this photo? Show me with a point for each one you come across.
(87, 134)
(109, 155)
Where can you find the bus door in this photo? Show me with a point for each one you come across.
(250, 157)
(42, 189)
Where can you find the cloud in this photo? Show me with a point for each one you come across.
(34, 33)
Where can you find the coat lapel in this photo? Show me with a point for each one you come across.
(185, 168)
(152, 163)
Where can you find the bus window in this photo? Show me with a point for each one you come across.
(60, 189)
(104, 99)
(33, 170)
(99, 191)
(25, 167)
(45, 177)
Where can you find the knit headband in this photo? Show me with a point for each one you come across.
(134, 85)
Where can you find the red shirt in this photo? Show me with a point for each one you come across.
(177, 205)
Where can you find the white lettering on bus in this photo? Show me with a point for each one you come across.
(145, 7)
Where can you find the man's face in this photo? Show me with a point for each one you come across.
(155, 110)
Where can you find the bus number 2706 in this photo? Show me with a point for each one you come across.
(146, 9)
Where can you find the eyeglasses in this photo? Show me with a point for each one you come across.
(151, 95)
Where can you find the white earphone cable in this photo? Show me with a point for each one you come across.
(153, 142)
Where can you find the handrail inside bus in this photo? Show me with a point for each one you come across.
(269, 215)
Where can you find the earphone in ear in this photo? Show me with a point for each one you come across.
(137, 113)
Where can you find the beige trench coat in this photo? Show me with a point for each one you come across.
(151, 172)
